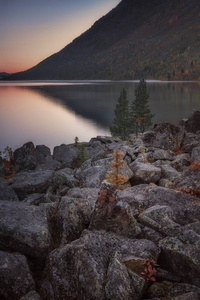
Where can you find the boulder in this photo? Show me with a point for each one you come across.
(91, 174)
(23, 228)
(144, 173)
(189, 179)
(69, 218)
(3, 182)
(181, 161)
(195, 156)
(164, 136)
(32, 295)
(193, 122)
(121, 282)
(62, 178)
(79, 270)
(190, 141)
(161, 219)
(165, 183)
(35, 199)
(168, 170)
(24, 157)
(15, 276)
(106, 139)
(175, 291)
(49, 164)
(128, 151)
(89, 194)
(112, 215)
(146, 196)
(66, 155)
(7, 193)
(26, 183)
(161, 154)
(181, 259)
(41, 153)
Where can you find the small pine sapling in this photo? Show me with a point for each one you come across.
(115, 175)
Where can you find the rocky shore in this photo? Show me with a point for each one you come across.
(67, 233)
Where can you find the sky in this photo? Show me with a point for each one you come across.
(32, 30)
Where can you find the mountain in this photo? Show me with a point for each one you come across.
(4, 74)
(154, 39)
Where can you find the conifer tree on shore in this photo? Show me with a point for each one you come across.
(140, 112)
(121, 123)
(133, 119)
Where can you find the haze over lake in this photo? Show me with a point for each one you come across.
(55, 112)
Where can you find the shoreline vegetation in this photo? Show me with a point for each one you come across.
(68, 232)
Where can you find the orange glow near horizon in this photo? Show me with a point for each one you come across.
(25, 43)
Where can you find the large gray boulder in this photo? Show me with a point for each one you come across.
(69, 218)
(24, 229)
(7, 193)
(181, 259)
(121, 282)
(190, 141)
(161, 219)
(195, 156)
(24, 157)
(168, 172)
(193, 122)
(144, 173)
(49, 164)
(66, 155)
(28, 156)
(91, 174)
(41, 153)
(172, 290)
(146, 196)
(64, 178)
(15, 276)
(26, 183)
(32, 295)
(161, 154)
(83, 268)
(164, 136)
(113, 215)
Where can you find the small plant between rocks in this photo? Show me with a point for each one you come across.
(115, 175)
(195, 165)
(149, 270)
(8, 160)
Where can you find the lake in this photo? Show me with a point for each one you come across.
(55, 112)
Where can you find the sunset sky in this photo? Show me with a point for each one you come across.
(32, 30)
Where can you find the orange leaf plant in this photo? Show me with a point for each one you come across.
(149, 270)
(115, 175)
(195, 165)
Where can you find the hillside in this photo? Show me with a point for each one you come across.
(156, 39)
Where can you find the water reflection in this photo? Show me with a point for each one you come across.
(28, 115)
(55, 114)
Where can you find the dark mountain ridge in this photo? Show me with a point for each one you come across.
(156, 39)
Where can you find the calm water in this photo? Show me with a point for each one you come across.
(55, 112)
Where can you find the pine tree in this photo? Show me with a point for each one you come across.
(140, 112)
(121, 123)
(115, 175)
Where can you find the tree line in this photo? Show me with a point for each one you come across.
(133, 118)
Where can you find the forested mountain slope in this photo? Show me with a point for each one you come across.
(154, 39)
